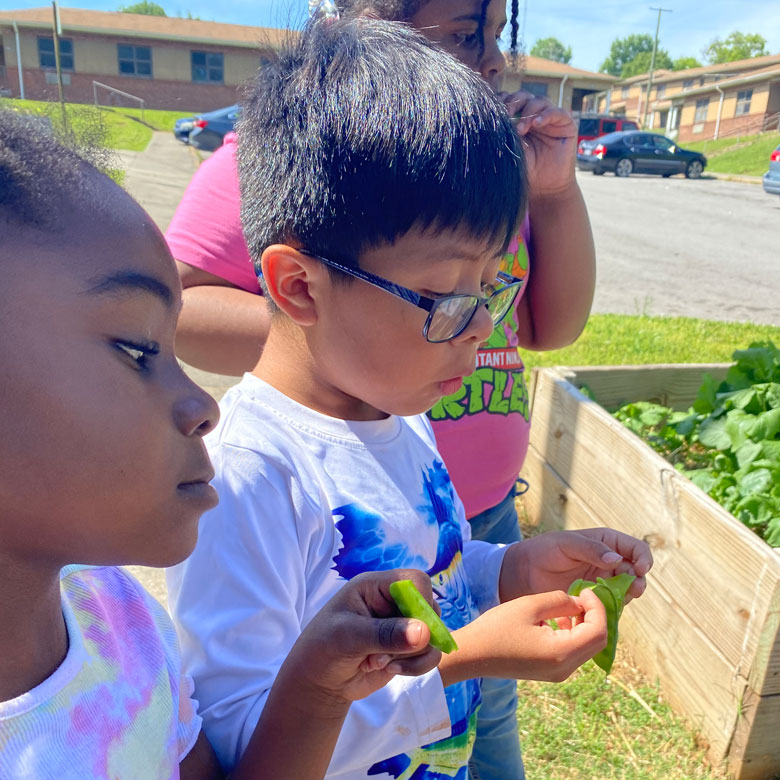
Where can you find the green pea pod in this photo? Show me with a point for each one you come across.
(412, 605)
(611, 592)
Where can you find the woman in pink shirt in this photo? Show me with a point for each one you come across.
(482, 429)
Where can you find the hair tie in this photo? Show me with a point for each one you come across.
(323, 10)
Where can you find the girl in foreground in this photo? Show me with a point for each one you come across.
(102, 462)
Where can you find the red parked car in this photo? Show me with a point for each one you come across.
(595, 125)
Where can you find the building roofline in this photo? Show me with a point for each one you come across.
(770, 75)
(145, 34)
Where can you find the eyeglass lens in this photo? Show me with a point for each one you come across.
(453, 314)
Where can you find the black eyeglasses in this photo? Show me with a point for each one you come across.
(449, 315)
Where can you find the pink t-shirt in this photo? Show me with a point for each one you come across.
(481, 430)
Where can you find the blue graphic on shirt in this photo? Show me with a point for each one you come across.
(365, 547)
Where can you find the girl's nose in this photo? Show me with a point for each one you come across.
(492, 64)
(196, 412)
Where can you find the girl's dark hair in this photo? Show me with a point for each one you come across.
(363, 129)
(43, 175)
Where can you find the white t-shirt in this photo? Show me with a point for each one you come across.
(306, 502)
(118, 705)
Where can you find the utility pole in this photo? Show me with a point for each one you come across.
(57, 31)
(652, 61)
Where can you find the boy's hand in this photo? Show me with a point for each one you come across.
(554, 560)
(550, 139)
(357, 643)
(513, 639)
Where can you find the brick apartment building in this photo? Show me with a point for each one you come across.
(701, 103)
(564, 85)
(170, 63)
(188, 64)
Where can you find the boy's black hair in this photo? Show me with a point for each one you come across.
(363, 129)
(42, 177)
(403, 10)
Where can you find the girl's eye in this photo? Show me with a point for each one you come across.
(140, 354)
(466, 40)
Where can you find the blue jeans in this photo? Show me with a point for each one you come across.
(496, 754)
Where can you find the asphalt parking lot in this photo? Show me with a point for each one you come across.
(705, 248)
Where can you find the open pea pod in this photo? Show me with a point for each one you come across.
(411, 604)
(611, 592)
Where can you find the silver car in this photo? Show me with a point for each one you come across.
(772, 176)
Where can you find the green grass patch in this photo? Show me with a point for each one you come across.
(121, 128)
(617, 339)
(731, 155)
(592, 728)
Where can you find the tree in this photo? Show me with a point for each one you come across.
(143, 7)
(683, 63)
(641, 63)
(551, 49)
(623, 51)
(737, 46)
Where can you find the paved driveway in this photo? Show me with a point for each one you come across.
(708, 248)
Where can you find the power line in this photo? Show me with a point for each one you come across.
(652, 60)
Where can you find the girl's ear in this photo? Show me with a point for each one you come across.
(291, 278)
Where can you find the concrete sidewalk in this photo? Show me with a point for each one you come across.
(158, 176)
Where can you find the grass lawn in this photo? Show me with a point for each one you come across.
(589, 728)
(121, 127)
(596, 728)
(615, 339)
(731, 156)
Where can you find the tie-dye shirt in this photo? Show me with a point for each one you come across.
(118, 706)
(307, 502)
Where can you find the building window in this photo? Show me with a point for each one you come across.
(624, 92)
(743, 101)
(688, 83)
(46, 58)
(701, 110)
(538, 88)
(207, 67)
(660, 91)
(135, 60)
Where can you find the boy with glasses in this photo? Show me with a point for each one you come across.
(381, 184)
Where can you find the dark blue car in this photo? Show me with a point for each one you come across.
(628, 152)
(206, 131)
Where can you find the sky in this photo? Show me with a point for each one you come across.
(589, 28)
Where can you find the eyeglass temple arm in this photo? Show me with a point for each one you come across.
(396, 289)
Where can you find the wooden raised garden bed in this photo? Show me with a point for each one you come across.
(707, 627)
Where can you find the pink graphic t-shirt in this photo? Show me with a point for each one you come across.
(118, 706)
(481, 430)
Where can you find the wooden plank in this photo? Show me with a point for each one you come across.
(755, 752)
(699, 548)
(658, 634)
(669, 384)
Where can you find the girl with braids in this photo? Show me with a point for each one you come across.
(224, 322)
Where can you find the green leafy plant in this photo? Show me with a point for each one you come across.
(728, 442)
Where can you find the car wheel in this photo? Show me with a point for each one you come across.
(598, 171)
(693, 169)
(667, 175)
(624, 167)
